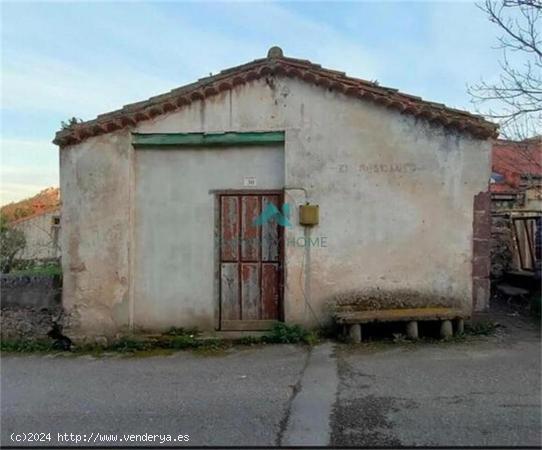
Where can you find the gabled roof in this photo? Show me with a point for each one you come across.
(276, 64)
(50, 210)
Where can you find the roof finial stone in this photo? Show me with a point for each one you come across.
(275, 52)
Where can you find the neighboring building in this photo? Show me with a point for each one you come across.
(183, 210)
(516, 204)
(42, 233)
(39, 218)
(516, 181)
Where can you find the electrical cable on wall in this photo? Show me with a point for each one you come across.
(302, 271)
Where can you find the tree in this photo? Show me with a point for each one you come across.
(515, 99)
(12, 241)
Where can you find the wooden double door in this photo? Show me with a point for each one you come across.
(251, 253)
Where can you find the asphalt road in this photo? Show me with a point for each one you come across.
(482, 392)
(237, 398)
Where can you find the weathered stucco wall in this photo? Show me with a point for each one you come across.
(395, 195)
(42, 236)
(396, 205)
(96, 197)
(175, 227)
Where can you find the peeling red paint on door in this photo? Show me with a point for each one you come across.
(229, 228)
(250, 259)
(250, 232)
(270, 290)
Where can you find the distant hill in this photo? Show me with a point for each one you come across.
(46, 200)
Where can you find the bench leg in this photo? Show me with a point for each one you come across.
(459, 326)
(412, 329)
(446, 330)
(355, 333)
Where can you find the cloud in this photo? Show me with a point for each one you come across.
(33, 82)
(150, 49)
(27, 167)
(456, 50)
(300, 35)
(92, 58)
(26, 145)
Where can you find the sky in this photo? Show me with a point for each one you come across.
(82, 59)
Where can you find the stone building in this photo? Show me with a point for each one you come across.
(516, 206)
(267, 192)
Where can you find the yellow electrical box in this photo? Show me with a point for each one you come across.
(309, 215)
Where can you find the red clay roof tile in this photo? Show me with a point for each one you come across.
(275, 65)
(514, 160)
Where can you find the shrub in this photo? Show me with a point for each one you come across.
(174, 331)
(183, 341)
(25, 346)
(12, 241)
(173, 339)
(128, 344)
(282, 333)
(481, 328)
(48, 269)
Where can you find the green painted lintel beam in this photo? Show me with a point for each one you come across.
(206, 139)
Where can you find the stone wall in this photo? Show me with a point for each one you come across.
(28, 323)
(481, 261)
(25, 291)
(501, 246)
(30, 305)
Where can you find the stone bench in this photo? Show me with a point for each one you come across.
(352, 320)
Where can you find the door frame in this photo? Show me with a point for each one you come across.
(218, 242)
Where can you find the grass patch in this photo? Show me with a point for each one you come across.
(25, 346)
(282, 333)
(128, 344)
(481, 328)
(49, 270)
(213, 347)
(248, 340)
(428, 336)
(174, 331)
(174, 339)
